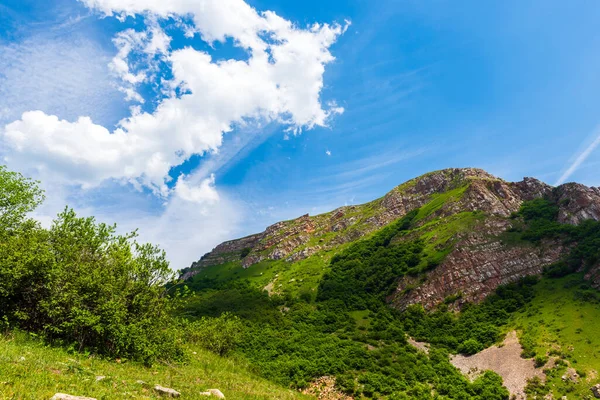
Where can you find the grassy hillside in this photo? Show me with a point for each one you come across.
(562, 322)
(31, 370)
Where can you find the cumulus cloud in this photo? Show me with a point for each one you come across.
(280, 81)
(203, 193)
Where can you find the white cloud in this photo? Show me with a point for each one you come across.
(281, 81)
(328, 152)
(581, 158)
(204, 193)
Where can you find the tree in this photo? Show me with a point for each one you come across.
(18, 196)
(80, 282)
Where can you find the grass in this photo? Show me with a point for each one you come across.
(31, 370)
(438, 200)
(563, 320)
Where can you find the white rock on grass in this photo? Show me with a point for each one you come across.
(213, 392)
(62, 396)
(166, 391)
(596, 391)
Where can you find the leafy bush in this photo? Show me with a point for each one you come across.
(219, 335)
(470, 346)
(245, 252)
(81, 284)
(365, 273)
(540, 360)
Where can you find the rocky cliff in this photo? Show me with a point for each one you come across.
(477, 259)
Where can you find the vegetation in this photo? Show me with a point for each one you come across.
(30, 369)
(78, 300)
(346, 330)
(562, 323)
(79, 283)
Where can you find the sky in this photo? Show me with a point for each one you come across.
(199, 121)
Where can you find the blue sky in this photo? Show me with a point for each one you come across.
(510, 87)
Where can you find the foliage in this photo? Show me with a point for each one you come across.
(18, 196)
(561, 323)
(364, 274)
(80, 283)
(477, 326)
(219, 335)
(540, 217)
(30, 369)
(245, 252)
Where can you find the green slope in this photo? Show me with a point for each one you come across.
(30, 370)
(563, 322)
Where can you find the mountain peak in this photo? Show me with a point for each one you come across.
(446, 192)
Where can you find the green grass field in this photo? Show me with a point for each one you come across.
(563, 320)
(31, 370)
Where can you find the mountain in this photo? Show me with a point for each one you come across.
(463, 216)
(420, 293)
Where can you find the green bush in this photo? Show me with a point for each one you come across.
(470, 346)
(540, 360)
(219, 335)
(81, 284)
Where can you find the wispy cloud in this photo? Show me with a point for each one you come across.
(581, 157)
(58, 75)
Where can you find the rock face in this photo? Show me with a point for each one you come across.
(477, 265)
(213, 393)
(578, 203)
(290, 239)
(478, 262)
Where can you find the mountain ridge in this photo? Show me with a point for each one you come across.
(462, 215)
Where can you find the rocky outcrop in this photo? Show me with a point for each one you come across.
(285, 240)
(324, 388)
(477, 262)
(593, 276)
(477, 265)
(213, 393)
(577, 203)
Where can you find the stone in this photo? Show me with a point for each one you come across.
(163, 391)
(213, 392)
(100, 378)
(596, 390)
(63, 396)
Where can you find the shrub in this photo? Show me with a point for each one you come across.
(219, 335)
(81, 284)
(245, 252)
(540, 360)
(470, 346)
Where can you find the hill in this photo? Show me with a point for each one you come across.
(462, 218)
(32, 370)
(456, 259)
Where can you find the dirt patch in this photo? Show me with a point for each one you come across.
(506, 361)
(324, 389)
(270, 288)
(419, 345)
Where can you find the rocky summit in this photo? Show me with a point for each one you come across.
(464, 214)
